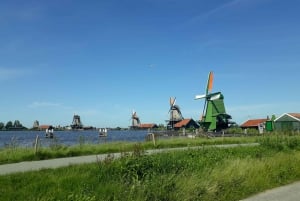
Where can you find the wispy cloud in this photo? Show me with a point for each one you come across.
(226, 7)
(13, 73)
(38, 104)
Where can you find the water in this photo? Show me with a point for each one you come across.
(27, 138)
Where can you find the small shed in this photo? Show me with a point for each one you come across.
(288, 122)
(186, 123)
(253, 123)
(258, 124)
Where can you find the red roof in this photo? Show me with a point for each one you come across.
(44, 126)
(147, 125)
(182, 123)
(296, 115)
(253, 123)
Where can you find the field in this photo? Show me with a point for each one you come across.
(195, 174)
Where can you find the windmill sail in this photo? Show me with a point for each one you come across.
(210, 82)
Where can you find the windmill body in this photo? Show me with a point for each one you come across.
(214, 116)
(175, 114)
(135, 120)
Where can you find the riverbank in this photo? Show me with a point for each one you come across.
(13, 154)
(62, 162)
(205, 173)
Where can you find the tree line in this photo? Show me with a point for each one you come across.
(10, 125)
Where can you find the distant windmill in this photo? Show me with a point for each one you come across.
(214, 117)
(135, 120)
(175, 113)
(76, 124)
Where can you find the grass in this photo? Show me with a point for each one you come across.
(14, 154)
(202, 174)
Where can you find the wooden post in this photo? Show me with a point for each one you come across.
(153, 138)
(36, 144)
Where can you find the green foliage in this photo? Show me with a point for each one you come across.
(235, 130)
(2, 125)
(9, 125)
(56, 149)
(280, 142)
(202, 174)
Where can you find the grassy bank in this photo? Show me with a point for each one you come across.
(202, 174)
(16, 154)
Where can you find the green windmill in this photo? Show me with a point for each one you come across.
(214, 117)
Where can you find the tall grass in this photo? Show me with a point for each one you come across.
(16, 153)
(202, 174)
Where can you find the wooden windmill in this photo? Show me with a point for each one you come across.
(76, 124)
(175, 113)
(135, 120)
(214, 117)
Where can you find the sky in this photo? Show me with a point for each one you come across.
(104, 59)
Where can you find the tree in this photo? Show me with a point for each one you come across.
(17, 124)
(8, 125)
(1, 125)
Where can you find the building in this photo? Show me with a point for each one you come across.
(44, 127)
(253, 123)
(258, 124)
(186, 123)
(287, 122)
(147, 126)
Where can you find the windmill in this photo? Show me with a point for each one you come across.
(175, 113)
(76, 124)
(214, 117)
(135, 120)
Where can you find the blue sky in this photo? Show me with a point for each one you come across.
(102, 59)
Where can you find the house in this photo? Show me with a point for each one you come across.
(147, 126)
(258, 124)
(44, 127)
(186, 123)
(287, 121)
(253, 123)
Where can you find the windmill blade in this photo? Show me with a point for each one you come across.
(210, 82)
(133, 114)
(215, 97)
(200, 96)
(172, 101)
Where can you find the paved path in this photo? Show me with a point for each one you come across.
(61, 162)
(285, 193)
(289, 192)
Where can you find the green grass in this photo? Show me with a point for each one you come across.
(16, 154)
(207, 174)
